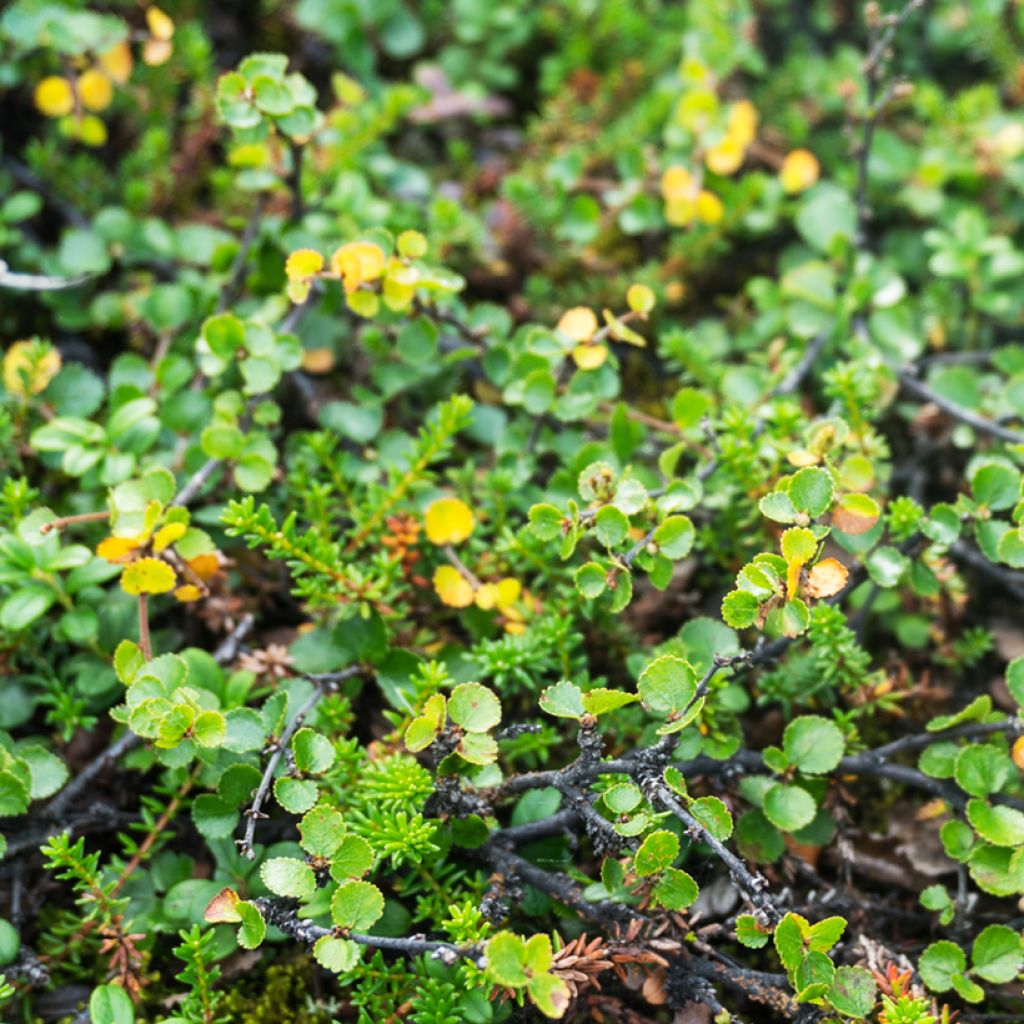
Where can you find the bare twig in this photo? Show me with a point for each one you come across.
(920, 390)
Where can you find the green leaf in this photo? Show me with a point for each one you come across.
(713, 815)
(474, 707)
(793, 618)
(813, 977)
(789, 807)
(996, 486)
(667, 685)
(675, 536)
(352, 859)
(982, 769)
(591, 580)
(967, 989)
(1000, 826)
(563, 700)
(110, 1004)
(886, 565)
(357, 906)
(477, 748)
(813, 744)
(10, 942)
(939, 963)
(611, 526)
(286, 876)
(996, 954)
(957, 839)
(47, 772)
(749, 933)
(296, 795)
(314, 753)
(823, 935)
(546, 521)
(128, 661)
(550, 994)
(421, 733)
(1015, 680)
(209, 729)
(811, 491)
(789, 940)
(337, 955)
(799, 544)
(974, 712)
(214, 818)
(675, 889)
(623, 798)
(25, 605)
(253, 929)
(506, 960)
(601, 700)
(656, 853)
(322, 830)
(778, 507)
(740, 609)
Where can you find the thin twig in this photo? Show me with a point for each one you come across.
(921, 390)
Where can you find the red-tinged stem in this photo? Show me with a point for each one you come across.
(85, 517)
(144, 642)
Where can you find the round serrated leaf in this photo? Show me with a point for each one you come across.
(939, 963)
(1000, 826)
(287, 876)
(675, 536)
(591, 580)
(214, 818)
(611, 526)
(788, 807)
(314, 753)
(713, 815)
(811, 491)
(740, 609)
(996, 954)
(295, 795)
(563, 700)
(322, 830)
(352, 859)
(813, 744)
(656, 853)
(337, 955)
(474, 707)
(253, 929)
(675, 889)
(667, 685)
(357, 906)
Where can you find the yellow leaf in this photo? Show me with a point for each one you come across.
(298, 291)
(452, 587)
(742, 122)
(709, 208)
(91, 131)
(188, 593)
(486, 596)
(826, 578)
(509, 590)
(95, 90)
(801, 458)
(448, 521)
(148, 576)
(1017, 752)
(29, 366)
(579, 323)
(167, 535)
(640, 298)
(117, 62)
(677, 184)
(357, 263)
(725, 158)
(117, 549)
(54, 96)
(317, 360)
(160, 26)
(799, 171)
(589, 357)
(303, 263)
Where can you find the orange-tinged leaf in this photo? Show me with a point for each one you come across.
(452, 587)
(318, 360)
(54, 96)
(826, 578)
(799, 171)
(188, 593)
(117, 549)
(855, 513)
(205, 566)
(222, 909)
(448, 521)
(579, 323)
(357, 263)
(167, 535)
(148, 576)
(1017, 752)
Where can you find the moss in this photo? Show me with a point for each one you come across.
(281, 995)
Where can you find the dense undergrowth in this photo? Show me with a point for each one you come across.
(511, 510)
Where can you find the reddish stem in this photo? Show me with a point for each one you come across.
(144, 641)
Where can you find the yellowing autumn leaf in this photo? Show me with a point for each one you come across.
(160, 25)
(117, 62)
(799, 171)
(188, 593)
(826, 578)
(205, 566)
(448, 521)
(300, 267)
(95, 90)
(29, 366)
(677, 183)
(117, 549)
(54, 96)
(725, 158)
(578, 323)
(742, 123)
(148, 576)
(509, 590)
(357, 263)
(710, 208)
(640, 299)
(589, 357)
(452, 587)
(167, 535)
